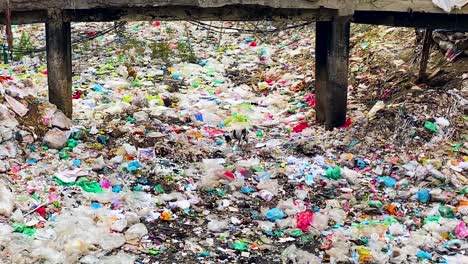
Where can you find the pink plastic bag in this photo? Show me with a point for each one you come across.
(304, 220)
(461, 231)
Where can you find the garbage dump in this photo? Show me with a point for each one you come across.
(454, 43)
(195, 143)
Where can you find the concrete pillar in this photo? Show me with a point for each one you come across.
(59, 65)
(331, 71)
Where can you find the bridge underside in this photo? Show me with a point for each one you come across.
(332, 32)
(455, 21)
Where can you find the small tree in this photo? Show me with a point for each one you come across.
(22, 47)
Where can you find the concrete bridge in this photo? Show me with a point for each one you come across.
(332, 31)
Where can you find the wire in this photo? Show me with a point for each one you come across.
(210, 27)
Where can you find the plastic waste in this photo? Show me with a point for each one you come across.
(270, 185)
(423, 196)
(431, 127)
(16, 106)
(60, 120)
(297, 256)
(423, 254)
(7, 200)
(361, 163)
(120, 258)
(148, 143)
(274, 214)
(389, 182)
(135, 232)
(337, 215)
(98, 164)
(461, 231)
(119, 225)
(304, 220)
(442, 122)
(449, 5)
(377, 107)
(55, 138)
(112, 241)
(217, 225)
(456, 259)
(266, 226)
(320, 221)
(240, 245)
(333, 173)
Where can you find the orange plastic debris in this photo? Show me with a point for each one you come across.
(391, 209)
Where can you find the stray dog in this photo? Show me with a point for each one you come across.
(239, 136)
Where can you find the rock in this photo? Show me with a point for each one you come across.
(61, 121)
(135, 232)
(55, 138)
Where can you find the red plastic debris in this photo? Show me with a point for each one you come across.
(41, 211)
(299, 128)
(156, 23)
(229, 175)
(129, 157)
(213, 132)
(304, 220)
(253, 44)
(77, 95)
(347, 123)
(5, 78)
(310, 99)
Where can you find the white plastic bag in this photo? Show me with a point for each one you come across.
(449, 5)
(7, 200)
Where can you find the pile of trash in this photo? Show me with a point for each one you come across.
(453, 43)
(190, 145)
